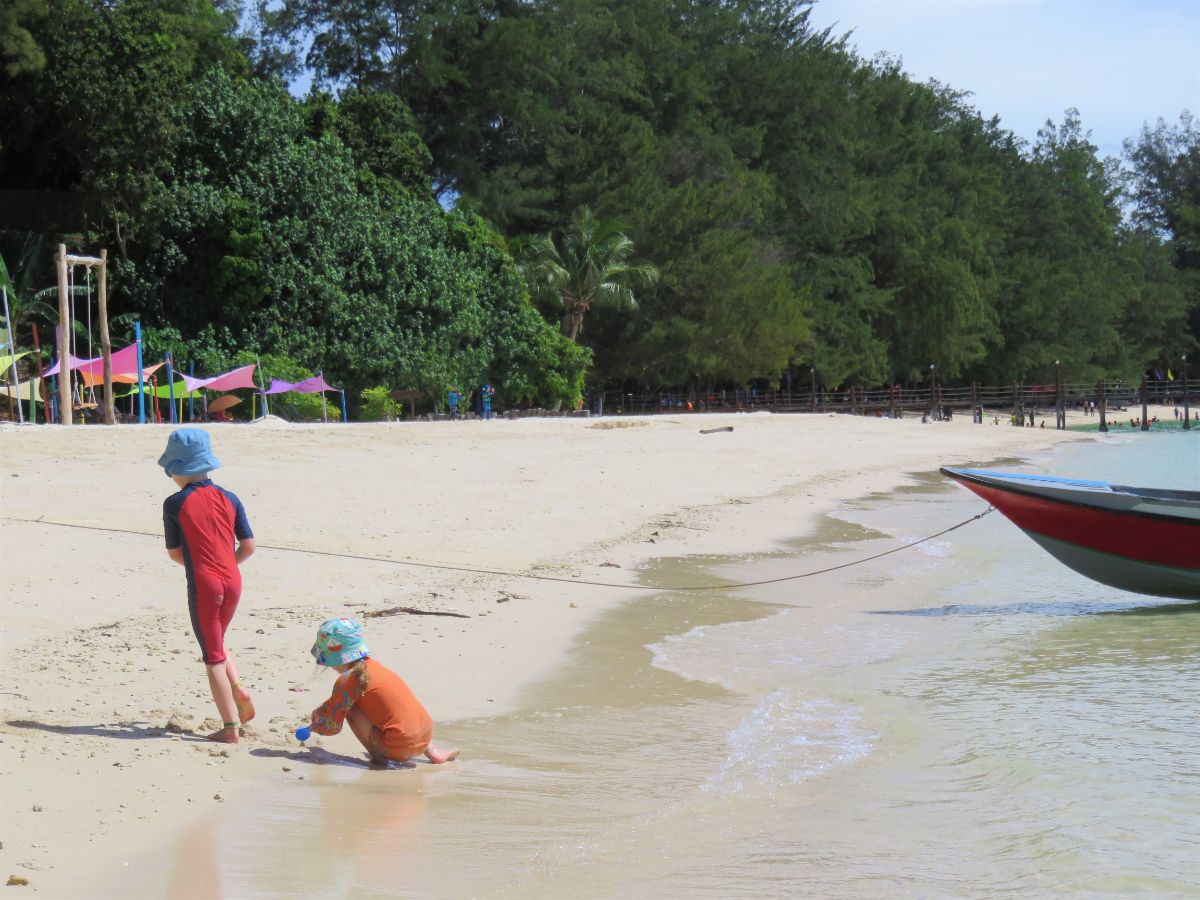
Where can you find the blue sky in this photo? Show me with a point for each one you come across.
(1121, 63)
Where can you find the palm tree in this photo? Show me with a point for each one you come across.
(592, 268)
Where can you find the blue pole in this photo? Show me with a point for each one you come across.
(345, 418)
(53, 398)
(170, 385)
(192, 399)
(137, 336)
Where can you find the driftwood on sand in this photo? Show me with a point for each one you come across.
(412, 611)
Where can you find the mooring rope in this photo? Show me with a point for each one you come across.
(558, 578)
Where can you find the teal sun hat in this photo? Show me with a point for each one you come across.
(339, 641)
(189, 452)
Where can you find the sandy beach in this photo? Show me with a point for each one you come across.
(104, 695)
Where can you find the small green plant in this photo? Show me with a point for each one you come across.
(378, 405)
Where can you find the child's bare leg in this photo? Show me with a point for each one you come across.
(362, 726)
(241, 696)
(438, 755)
(222, 693)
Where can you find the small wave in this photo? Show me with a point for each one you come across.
(936, 549)
(787, 739)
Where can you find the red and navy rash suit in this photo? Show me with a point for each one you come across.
(204, 519)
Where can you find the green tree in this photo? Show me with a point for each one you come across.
(19, 49)
(590, 266)
(1165, 189)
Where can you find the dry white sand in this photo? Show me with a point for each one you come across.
(99, 655)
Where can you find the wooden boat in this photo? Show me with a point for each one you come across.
(1136, 539)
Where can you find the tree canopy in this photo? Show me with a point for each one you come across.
(800, 205)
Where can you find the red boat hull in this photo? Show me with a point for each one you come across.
(1143, 539)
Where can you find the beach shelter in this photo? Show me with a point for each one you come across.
(219, 405)
(223, 403)
(308, 386)
(123, 361)
(242, 377)
(30, 391)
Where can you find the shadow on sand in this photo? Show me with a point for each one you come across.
(124, 731)
(319, 756)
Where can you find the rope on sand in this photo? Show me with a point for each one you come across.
(560, 579)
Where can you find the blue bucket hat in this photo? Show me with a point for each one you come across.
(189, 452)
(339, 641)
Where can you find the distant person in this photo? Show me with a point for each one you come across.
(208, 534)
(383, 713)
(453, 399)
(485, 401)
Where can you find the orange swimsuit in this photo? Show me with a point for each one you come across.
(402, 727)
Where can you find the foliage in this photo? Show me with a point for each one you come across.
(801, 205)
(19, 50)
(378, 405)
(589, 266)
(306, 230)
(1165, 189)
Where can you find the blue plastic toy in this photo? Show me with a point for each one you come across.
(303, 733)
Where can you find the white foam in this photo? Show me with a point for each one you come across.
(788, 738)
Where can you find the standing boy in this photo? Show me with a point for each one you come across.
(203, 523)
(485, 398)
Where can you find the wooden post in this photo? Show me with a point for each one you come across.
(110, 414)
(64, 340)
(1145, 406)
(934, 412)
(1103, 406)
(1060, 402)
(812, 390)
(1187, 406)
(1018, 413)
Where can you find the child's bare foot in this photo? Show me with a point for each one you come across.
(437, 755)
(245, 706)
(225, 736)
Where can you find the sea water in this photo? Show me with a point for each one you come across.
(964, 718)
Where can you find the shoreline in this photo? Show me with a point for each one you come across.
(526, 637)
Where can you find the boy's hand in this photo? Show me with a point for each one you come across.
(245, 549)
